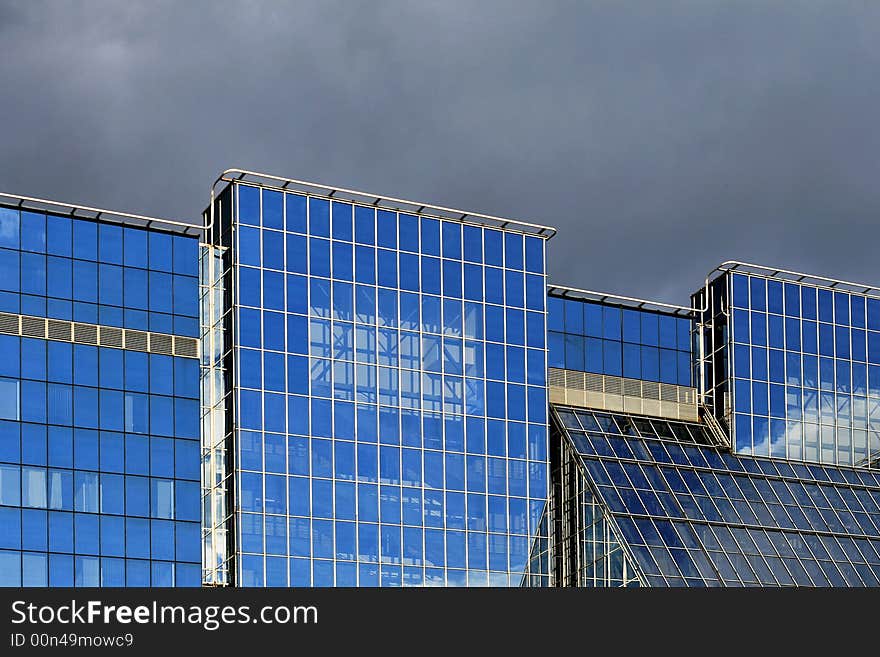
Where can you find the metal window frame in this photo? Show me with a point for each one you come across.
(804, 475)
(557, 427)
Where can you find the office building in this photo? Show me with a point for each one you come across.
(380, 389)
(793, 364)
(392, 394)
(99, 398)
(695, 485)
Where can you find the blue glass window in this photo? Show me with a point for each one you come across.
(513, 251)
(10, 228)
(160, 251)
(33, 232)
(430, 236)
(295, 213)
(85, 240)
(452, 235)
(10, 271)
(273, 210)
(342, 221)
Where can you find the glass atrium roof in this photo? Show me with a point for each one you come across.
(691, 514)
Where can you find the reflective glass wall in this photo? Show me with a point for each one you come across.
(99, 451)
(390, 395)
(98, 273)
(805, 371)
(606, 339)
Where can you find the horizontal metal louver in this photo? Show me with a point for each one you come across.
(162, 344)
(9, 323)
(59, 330)
(574, 380)
(668, 392)
(632, 388)
(111, 337)
(85, 333)
(616, 393)
(593, 383)
(33, 327)
(187, 347)
(613, 385)
(104, 336)
(136, 340)
(651, 390)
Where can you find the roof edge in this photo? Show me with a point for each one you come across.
(619, 300)
(76, 211)
(244, 176)
(790, 276)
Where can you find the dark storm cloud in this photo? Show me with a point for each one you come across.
(659, 137)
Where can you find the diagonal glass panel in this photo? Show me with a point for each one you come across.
(686, 513)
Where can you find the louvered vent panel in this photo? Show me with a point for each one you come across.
(9, 323)
(85, 333)
(632, 388)
(593, 383)
(111, 337)
(59, 330)
(613, 385)
(668, 392)
(162, 344)
(187, 347)
(616, 393)
(33, 327)
(556, 377)
(136, 340)
(574, 380)
(650, 390)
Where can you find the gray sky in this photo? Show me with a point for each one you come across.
(660, 138)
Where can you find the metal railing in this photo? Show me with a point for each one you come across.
(373, 200)
(75, 211)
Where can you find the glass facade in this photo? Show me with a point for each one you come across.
(99, 451)
(627, 342)
(390, 395)
(335, 389)
(802, 370)
(690, 514)
(806, 371)
(98, 273)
